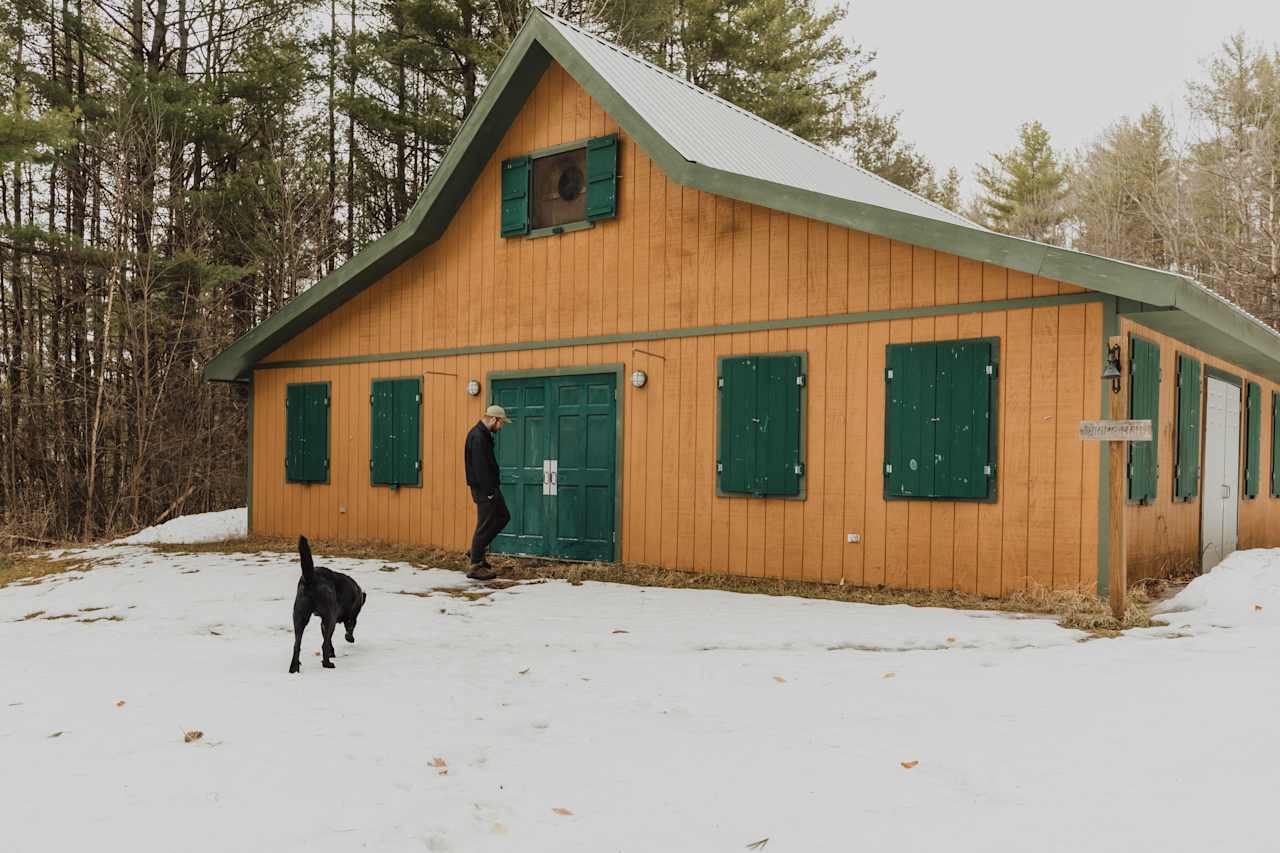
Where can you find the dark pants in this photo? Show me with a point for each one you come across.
(491, 517)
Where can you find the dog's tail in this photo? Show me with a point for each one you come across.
(308, 567)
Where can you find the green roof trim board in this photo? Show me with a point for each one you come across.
(705, 143)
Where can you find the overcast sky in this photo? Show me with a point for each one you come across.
(966, 74)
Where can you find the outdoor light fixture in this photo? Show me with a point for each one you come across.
(1112, 370)
(639, 378)
(473, 388)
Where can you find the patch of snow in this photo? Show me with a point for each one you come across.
(202, 527)
(1242, 590)
(547, 716)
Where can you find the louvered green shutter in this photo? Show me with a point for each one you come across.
(911, 379)
(602, 177)
(307, 433)
(1275, 445)
(760, 444)
(778, 452)
(963, 467)
(515, 196)
(1144, 404)
(396, 441)
(1252, 460)
(1187, 468)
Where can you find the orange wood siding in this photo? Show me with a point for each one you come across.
(1165, 535)
(657, 266)
(678, 258)
(670, 513)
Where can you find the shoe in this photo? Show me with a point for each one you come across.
(482, 572)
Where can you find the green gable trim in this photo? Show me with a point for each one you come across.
(1218, 327)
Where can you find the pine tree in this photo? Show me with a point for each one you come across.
(1025, 188)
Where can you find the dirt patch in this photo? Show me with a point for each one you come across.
(24, 569)
(1079, 609)
(466, 593)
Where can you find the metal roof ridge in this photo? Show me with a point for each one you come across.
(756, 118)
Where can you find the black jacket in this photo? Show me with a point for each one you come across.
(482, 465)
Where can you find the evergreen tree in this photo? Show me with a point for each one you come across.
(1025, 188)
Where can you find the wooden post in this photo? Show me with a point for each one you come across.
(1117, 550)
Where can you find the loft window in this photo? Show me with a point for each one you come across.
(559, 189)
(570, 186)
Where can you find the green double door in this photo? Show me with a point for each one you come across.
(559, 461)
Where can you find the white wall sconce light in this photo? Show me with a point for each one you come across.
(639, 378)
(473, 388)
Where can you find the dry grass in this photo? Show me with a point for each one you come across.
(21, 569)
(1078, 609)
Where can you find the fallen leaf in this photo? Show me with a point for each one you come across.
(120, 704)
(317, 654)
(779, 679)
(620, 631)
(758, 845)
(951, 639)
(192, 736)
(561, 811)
(889, 675)
(55, 734)
(909, 764)
(1257, 608)
(499, 829)
(442, 768)
(523, 671)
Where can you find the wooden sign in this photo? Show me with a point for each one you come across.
(1115, 430)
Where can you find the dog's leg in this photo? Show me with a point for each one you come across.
(326, 626)
(350, 625)
(300, 620)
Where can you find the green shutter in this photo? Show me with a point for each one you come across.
(515, 196)
(1275, 444)
(1186, 472)
(396, 441)
(602, 177)
(1252, 460)
(761, 411)
(911, 380)
(940, 420)
(1144, 404)
(963, 467)
(307, 433)
(778, 452)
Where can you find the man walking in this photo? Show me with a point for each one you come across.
(482, 476)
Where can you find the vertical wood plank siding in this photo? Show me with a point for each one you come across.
(1165, 535)
(679, 258)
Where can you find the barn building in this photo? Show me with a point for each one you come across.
(727, 351)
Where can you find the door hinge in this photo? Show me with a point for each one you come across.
(799, 469)
(800, 380)
(719, 381)
(989, 470)
(719, 467)
(370, 399)
(417, 398)
(991, 370)
(888, 375)
(888, 469)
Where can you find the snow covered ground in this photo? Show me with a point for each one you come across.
(553, 717)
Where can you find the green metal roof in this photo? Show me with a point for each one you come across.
(703, 142)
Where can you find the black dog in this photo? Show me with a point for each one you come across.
(332, 596)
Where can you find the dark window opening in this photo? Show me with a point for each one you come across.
(559, 189)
